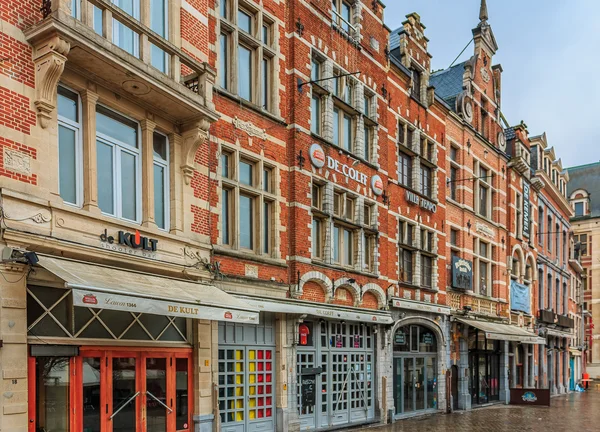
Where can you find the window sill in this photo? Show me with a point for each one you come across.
(344, 151)
(250, 105)
(249, 256)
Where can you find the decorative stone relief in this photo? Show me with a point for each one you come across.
(251, 271)
(250, 128)
(484, 229)
(485, 74)
(193, 138)
(17, 161)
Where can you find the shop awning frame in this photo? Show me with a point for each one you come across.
(326, 311)
(104, 287)
(505, 332)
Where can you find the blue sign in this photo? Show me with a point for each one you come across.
(519, 297)
(462, 273)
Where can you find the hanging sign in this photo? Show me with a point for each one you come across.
(377, 185)
(317, 155)
(462, 273)
(526, 207)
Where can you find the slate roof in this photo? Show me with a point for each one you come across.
(586, 177)
(510, 133)
(395, 38)
(448, 83)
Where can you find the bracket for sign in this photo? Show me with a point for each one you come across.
(302, 83)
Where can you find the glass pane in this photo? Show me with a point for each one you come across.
(95, 330)
(91, 394)
(336, 126)
(265, 83)
(181, 394)
(244, 21)
(67, 162)
(246, 222)
(125, 38)
(409, 383)
(128, 186)
(158, 14)
(155, 324)
(223, 60)
(159, 143)
(315, 124)
(117, 321)
(267, 228)
(244, 72)
(420, 383)
(67, 104)
(132, 7)
(47, 327)
(159, 196)
(116, 126)
(223, 8)
(347, 132)
(347, 247)
(225, 165)
(156, 394)
(336, 244)
(225, 216)
(265, 34)
(136, 332)
(98, 20)
(123, 377)
(246, 173)
(52, 393)
(159, 58)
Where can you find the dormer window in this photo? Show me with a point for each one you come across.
(579, 206)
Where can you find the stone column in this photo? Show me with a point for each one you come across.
(288, 419)
(175, 184)
(512, 364)
(464, 395)
(206, 335)
(13, 354)
(148, 127)
(526, 366)
(504, 385)
(90, 162)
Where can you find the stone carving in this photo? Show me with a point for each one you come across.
(193, 138)
(251, 270)
(485, 74)
(484, 229)
(49, 58)
(249, 128)
(17, 161)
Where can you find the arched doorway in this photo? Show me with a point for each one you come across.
(415, 370)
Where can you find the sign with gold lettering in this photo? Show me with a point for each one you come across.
(125, 303)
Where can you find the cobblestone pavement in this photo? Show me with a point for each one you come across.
(573, 412)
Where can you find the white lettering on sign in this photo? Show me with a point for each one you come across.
(346, 171)
(422, 202)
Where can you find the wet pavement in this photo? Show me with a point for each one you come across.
(572, 412)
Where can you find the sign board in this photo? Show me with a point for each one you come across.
(400, 338)
(526, 210)
(125, 303)
(428, 339)
(419, 306)
(422, 202)
(462, 273)
(308, 385)
(520, 396)
(519, 297)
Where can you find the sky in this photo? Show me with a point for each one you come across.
(548, 50)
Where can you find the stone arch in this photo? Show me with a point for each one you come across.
(426, 322)
(379, 293)
(530, 259)
(518, 251)
(353, 287)
(319, 278)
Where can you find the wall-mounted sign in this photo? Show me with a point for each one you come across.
(422, 202)
(462, 273)
(317, 155)
(519, 297)
(484, 229)
(318, 159)
(526, 207)
(308, 384)
(377, 185)
(400, 338)
(428, 339)
(134, 241)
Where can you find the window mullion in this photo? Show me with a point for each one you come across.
(117, 181)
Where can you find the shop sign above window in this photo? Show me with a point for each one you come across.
(422, 202)
(130, 240)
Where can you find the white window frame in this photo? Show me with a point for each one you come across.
(117, 147)
(480, 182)
(165, 165)
(167, 18)
(115, 28)
(338, 20)
(78, 128)
(487, 260)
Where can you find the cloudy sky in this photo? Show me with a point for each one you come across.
(548, 50)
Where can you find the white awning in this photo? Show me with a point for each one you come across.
(321, 310)
(556, 333)
(506, 332)
(103, 287)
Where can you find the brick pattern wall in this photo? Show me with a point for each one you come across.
(369, 301)
(16, 62)
(343, 297)
(312, 291)
(15, 111)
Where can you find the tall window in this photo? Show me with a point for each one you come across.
(426, 181)
(315, 115)
(69, 146)
(454, 170)
(248, 203)
(582, 240)
(416, 84)
(252, 30)
(405, 135)
(427, 239)
(483, 267)
(541, 288)
(404, 169)
(124, 37)
(159, 19)
(319, 221)
(540, 226)
(343, 245)
(557, 240)
(161, 180)
(579, 209)
(549, 290)
(118, 167)
(484, 192)
(405, 252)
(341, 14)
(549, 234)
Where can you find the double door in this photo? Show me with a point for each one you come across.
(105, 390)
(415, 384)
(484, 380)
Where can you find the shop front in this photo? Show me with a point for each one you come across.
(495, 357)
(112, 350)
(336, 354)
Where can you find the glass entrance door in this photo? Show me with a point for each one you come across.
(104, 390)
(415, 384)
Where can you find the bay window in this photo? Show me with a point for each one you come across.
(118, 165)
(69, 146)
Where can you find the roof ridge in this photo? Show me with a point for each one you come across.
(583, 166)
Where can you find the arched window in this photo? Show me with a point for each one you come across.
(415, 339)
